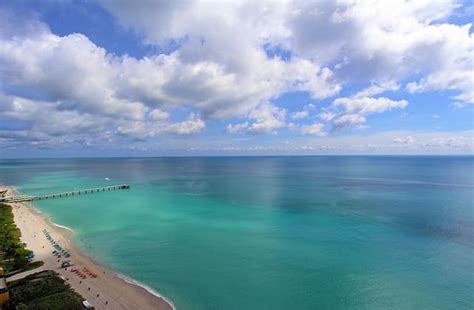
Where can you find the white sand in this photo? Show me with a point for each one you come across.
(112, 289)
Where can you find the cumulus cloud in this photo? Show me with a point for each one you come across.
(313, 129)
(353, 111)
(367, 105)
(348, 120)
(225, 71)
(218, 65)
(366, 40)
(40, 124)
(304, 113)
(159, 115)
(144, 130)
(453, 71)
(264, 119)
(327, 116)
(192, 125)
(70, 69)
(385, 41)
(234, 128)
(78, 76)
(299, 114)
(213, 90)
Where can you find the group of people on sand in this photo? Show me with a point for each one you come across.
(83, 274)
(67, 263)
(59, 250)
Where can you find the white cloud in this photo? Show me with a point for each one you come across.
(304, 113)
(458, 105)
(159, 115)
(404, 140)
(225, 73)
(327, 116)
(143, 130)
(70, 69)
(368, 105)
(376, 89)
(220, 68)
(85, 77)
(299, 114)
(266, 119)
(41, 124)
(348, 120)
(371, 41)
(392, 142)
(82, 81)
(234, 128)
(453, 142)
(353, 111)
(313, 129)
(192, 125)
(138, 130)
(452, 70)
(376, 40)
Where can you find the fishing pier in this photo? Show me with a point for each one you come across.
(22, 198)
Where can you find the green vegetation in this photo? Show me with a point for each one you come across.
(13, 254)
(41, 291)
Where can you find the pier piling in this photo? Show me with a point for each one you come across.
(64, 194)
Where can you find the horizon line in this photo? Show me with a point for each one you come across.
(248, 156)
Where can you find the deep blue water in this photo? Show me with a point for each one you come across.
(274, 232)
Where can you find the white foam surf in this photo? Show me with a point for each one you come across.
(145, 287)
(62, 226)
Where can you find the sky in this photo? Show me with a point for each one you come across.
(198, 78)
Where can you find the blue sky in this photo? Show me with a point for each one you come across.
(151, 78)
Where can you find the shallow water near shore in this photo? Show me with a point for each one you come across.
(273, 232)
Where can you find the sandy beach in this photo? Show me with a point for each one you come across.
(106, 291)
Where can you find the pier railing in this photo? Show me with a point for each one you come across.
(22, 198)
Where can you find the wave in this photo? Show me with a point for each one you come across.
(396, 181)
(145, 287)
(62, 226)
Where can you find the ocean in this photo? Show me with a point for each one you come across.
(322, 232)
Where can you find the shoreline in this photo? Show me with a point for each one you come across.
(109, 290)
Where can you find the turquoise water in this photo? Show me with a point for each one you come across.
(274, 232)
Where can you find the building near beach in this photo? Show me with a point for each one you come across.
(4, 294)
